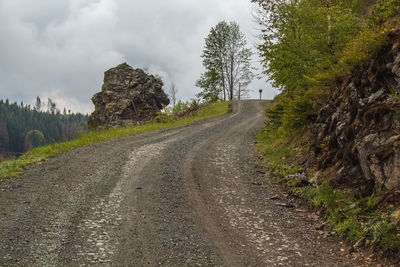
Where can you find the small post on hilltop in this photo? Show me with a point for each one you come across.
(260, 93)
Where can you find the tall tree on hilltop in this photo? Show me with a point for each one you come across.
(38, 104)
(227, 62)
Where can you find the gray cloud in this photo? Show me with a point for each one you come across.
(60, 49)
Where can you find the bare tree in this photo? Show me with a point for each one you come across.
(38, 103)
(172, 93)
(51, 106)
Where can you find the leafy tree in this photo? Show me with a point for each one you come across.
(301, 37)
(227, 62)
(210, 82)
(300, 40)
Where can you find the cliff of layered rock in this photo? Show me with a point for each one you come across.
(356, 136)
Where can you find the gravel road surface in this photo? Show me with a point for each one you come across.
(187, 196)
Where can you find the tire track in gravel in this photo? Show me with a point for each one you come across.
(204, 214)
(52, 226)
(240, 220)
(106, 216)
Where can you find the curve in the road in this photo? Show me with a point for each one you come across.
(177, 197)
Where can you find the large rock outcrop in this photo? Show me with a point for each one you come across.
(357, 135)
(128, 96)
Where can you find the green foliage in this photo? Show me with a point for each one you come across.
(23, 127)
(371, 202)
(13, 168)
(328, 196)
(274, 116)
(210, 83)
(164, 115)
(362, 47)
(181, 109)
(297, 112)
(384, 235)
(351, 229)
(289, 116)
(356, 6)
(353, 218)
(270, 144)
(302, 36)
(309, 46)
(383, 11)
(34, 138)
(275, 152)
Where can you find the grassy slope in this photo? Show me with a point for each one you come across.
(13, 168)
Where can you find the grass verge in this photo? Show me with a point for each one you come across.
(357, 219)
(13, 168)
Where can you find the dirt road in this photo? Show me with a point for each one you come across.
(178, 197)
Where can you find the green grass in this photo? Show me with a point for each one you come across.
(14, 168)
(353, 217)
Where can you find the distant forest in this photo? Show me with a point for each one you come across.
(23, 127)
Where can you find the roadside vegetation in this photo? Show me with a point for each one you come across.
(182, 113)
(357, 219)
(308, 48)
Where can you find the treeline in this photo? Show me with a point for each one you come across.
(309, 46)
(23, 127)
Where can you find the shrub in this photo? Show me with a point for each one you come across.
(351, 229)
(383, 11)
(384, 235)
(361, 48)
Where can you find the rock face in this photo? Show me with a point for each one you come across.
(128, 96)
(357, 135)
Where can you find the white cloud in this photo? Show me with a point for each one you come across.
(63, 101)
(61, 48)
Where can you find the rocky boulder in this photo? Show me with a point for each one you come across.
(128, 97)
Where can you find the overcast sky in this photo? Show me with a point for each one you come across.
(61, 48)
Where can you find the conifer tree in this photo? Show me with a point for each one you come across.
(4, 139)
